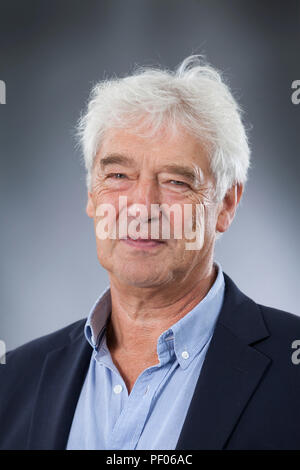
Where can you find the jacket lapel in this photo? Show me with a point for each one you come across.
(230, 374)
(58, 392)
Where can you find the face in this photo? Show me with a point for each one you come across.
(168, 170)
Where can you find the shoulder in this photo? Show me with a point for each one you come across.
(279, 322)
(31, 355)
(19, 381)
(272, 331)
(282, 345)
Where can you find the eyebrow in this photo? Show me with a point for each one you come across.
(116, 159)
(182, 170)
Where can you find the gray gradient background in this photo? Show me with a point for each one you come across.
(51, 52)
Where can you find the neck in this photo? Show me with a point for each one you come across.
(140, 315)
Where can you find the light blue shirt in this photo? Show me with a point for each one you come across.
(152, 415)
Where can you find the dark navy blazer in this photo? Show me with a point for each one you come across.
(247, 395)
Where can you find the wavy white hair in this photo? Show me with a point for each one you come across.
(194, 95)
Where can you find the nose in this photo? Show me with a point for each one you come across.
(145, 193)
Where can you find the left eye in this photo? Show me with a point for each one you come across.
(178, 183)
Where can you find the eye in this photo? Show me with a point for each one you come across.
(116, 175)
(179, 183)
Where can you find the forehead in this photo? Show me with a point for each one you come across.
(165, 147)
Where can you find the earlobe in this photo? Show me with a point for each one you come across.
(90, 206)
(223, 221)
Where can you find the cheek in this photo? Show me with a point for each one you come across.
(104, 233)
(106, 216)
(105, 196)
(105, 252)
(182, 258)
(211, 217)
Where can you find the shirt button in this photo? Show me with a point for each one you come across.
(185, 355)
(118, 388)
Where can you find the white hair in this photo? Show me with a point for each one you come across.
(194, 96)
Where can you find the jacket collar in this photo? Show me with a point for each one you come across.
(230, 374)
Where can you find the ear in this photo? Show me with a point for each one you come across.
(228, 207)
(90, 206)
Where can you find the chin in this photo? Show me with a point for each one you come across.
(140, 278)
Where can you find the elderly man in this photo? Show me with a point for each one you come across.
(173, 355)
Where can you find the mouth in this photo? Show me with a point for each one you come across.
(143, 243)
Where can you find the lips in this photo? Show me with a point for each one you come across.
(143, 243)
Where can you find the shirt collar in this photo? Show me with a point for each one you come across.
(187, 337)
(97, 319)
